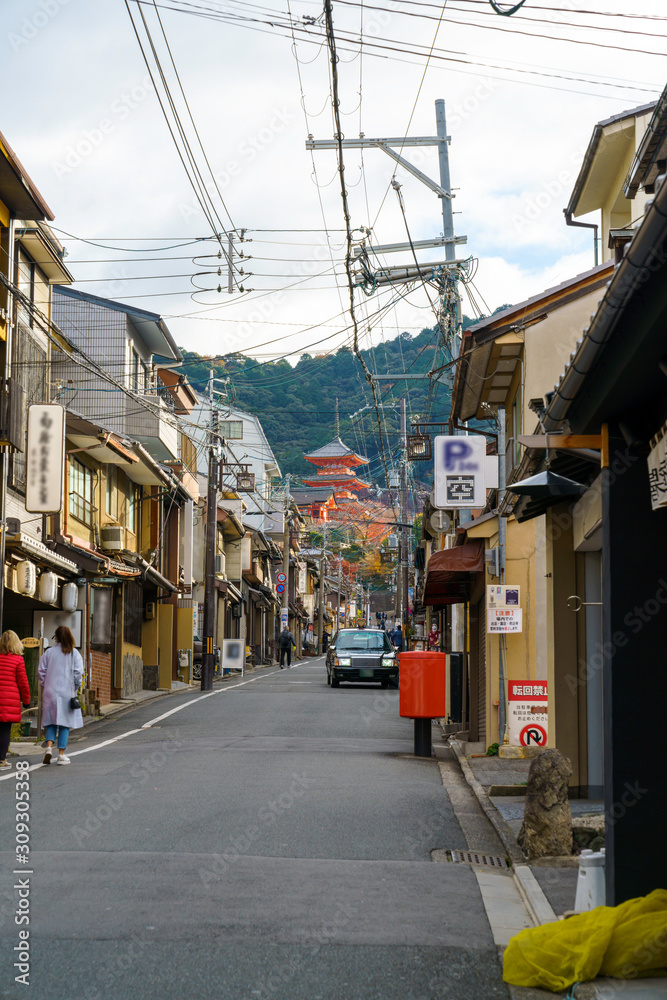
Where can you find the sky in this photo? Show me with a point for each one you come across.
(522, 96)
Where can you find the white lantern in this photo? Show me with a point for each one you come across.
(69, 597)
(48, 588)
(26, 578)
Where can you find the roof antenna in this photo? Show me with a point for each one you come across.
(337, 424)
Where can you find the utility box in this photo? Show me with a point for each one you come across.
(422, 685)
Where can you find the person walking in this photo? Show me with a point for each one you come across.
(60, 671)
(397, 638)
(286, 642)
(14, 689)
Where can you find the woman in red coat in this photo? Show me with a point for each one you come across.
(14, 689)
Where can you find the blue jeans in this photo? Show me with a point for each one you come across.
(63, 735)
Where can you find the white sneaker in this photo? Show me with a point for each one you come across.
(63, 759)
(48, 754)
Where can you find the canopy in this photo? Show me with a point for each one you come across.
(450, 573)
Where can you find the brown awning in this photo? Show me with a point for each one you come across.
(450, 573)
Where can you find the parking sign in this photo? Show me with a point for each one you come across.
(459, 471)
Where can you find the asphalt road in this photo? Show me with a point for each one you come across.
(269, 841)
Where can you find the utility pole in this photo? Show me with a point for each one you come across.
(284, 614)
(208, 644)
(340, 581)
(405, 547)
(502, 534)
(320, 612)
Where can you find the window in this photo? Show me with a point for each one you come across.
(81, 492)
(232, 430)
(358, 639)
(133, 610)
(131, 519)
(111, 501)
(26, 282)
(135, 370)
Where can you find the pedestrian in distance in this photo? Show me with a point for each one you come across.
(286, 643)
(397, 638)
(60, 671)
(14, 689)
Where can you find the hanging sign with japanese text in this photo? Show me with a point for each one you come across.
(527, 714)
(657, 469)
(459, 471)
(45, 458)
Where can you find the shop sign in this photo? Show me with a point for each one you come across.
(527, 716)
(459, 471)
(45, 458)
(500, 620)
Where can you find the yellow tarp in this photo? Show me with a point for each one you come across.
(624, 942)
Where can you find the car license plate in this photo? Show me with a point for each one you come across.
(366, 673)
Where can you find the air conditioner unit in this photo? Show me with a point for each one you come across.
(111, 537)
(149, 611)
(220, 563)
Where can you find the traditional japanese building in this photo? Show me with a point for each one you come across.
(336, 465)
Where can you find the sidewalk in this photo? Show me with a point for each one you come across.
(547, 886)
(30, 746)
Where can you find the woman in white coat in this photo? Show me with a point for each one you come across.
(60, 671)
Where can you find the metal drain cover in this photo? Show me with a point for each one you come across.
(475, 858)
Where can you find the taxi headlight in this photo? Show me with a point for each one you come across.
(388, 661)
(343, 661)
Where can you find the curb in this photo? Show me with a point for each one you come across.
(530, 890)
(492, 814)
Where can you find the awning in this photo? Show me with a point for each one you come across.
(38, 551)
(258, 597)
(229, 591)
(149, 572)
(450, 573)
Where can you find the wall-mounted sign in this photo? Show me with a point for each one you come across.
(500, 620)
(45, 458)
(459, 471)
(503, 595)
(528, 713)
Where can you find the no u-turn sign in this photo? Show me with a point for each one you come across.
(533, 735)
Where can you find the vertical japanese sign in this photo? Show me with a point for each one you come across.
(528, 713)
(459, 471)
(45, 458)
(657, 469)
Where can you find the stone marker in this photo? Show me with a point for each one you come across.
(547, 821)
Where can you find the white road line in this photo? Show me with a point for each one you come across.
(146, 725)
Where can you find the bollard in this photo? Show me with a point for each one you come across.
(590, 882)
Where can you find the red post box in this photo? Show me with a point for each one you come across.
(422, 685)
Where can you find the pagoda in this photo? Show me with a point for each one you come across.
(336, 465)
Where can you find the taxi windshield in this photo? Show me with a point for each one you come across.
(358, 639)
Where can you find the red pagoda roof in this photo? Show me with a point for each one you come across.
(344, 479)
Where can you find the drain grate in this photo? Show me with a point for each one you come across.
(475, 858)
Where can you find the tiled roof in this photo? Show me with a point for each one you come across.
(334, 449)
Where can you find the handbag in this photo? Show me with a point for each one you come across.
(74, 701)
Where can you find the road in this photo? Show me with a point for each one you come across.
(269, 841)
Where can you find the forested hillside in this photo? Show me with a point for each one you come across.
(297, 404)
